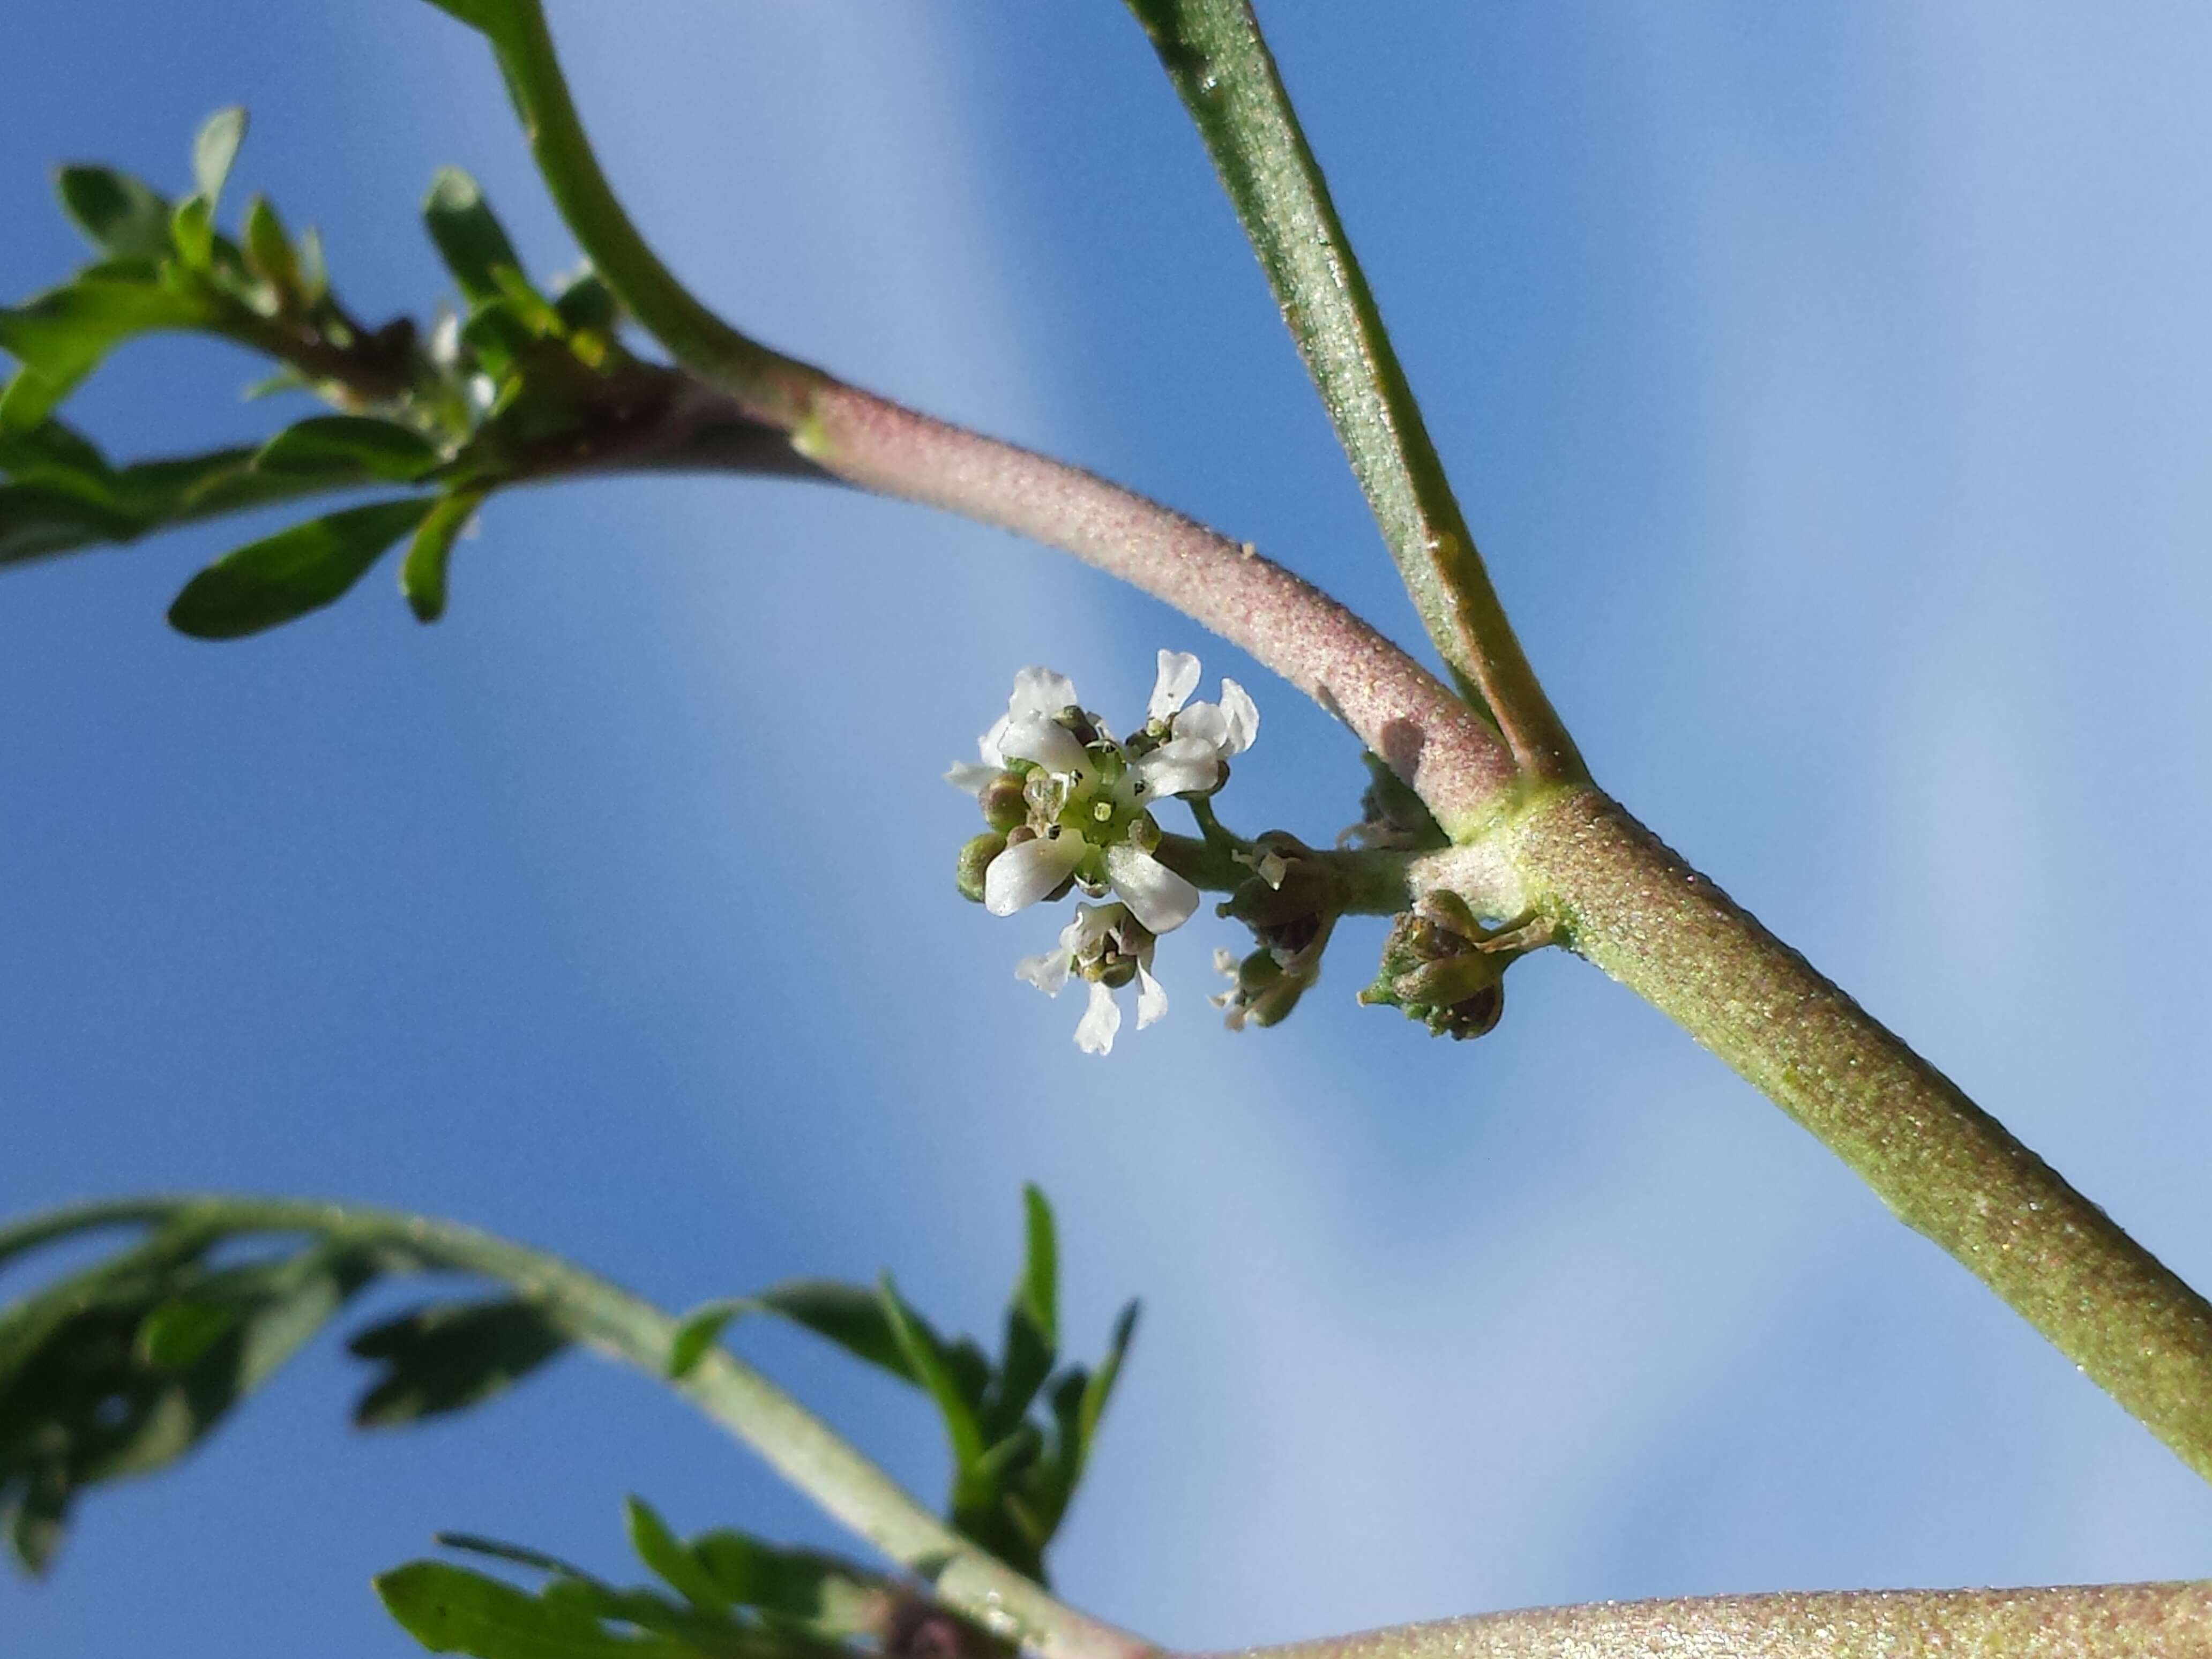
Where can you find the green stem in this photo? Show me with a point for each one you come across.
(1945, 1167)
(1213, 51)
(771, 386)
(1524, 844)
(795, 1442)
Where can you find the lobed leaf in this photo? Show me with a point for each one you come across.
(451, 1355)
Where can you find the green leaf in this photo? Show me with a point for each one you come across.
(847, 1315)
(824, 1593)
(293, 572)
(59, 337)
(314, 277)
(174, 1336)
(521, 1555)
(587, 304)
(120, 215)
(670, 1560)
(449, 1609)
(927, 1359)
(269, 249)
(214, 148)
(422, 575)
(354, 446)
(1100, 1388)
(192, 229)
(125, 1367)
(1038, 1292)
(499, 19)
(469, 238)
(698, 1333)
(451, 1355)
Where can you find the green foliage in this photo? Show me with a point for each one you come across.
(125, 1366)
(452, 1355)
(1019, 1429)
(292, 572)
(521, 386)
(732, 1595)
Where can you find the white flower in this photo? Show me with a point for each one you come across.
(1102, 941)
(1226, 728)
(1039, 694)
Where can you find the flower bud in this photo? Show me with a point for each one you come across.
(974, 858)
(1003, 801)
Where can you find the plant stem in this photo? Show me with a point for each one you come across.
(795, 1442)
(1945, 1167)
(1523, 843)
(2087, 1621)
(1214, 53)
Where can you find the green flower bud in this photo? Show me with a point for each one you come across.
(974, 858)
(1003, 800)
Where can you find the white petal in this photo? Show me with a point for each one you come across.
(1243, 715)
(1204, 722)
(967, 775)
(1181, 766)
(1031, 738)
(1022, 875)
(1094, 1033)
(1040, 691)
(1158, 897)
(1177, 679)
(987, 746)
(1048, 972)
(1224, 962)
(1092, 923)
(1152, 1000)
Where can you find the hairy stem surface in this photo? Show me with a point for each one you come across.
(2090, 1621)
(1945, 1167)
(1214, 53)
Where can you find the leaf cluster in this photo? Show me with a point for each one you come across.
(722, 1595)
(518, 386)
(1020, 1425)
(123, 1367)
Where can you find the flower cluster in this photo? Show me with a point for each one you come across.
(1069, 805)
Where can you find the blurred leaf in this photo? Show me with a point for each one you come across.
(295, 571)
(449, 1609)
(587, 304)
(824, 1594)
(123, 1367)
(670, 1560)
(269, 249)
(354, 446)
(1038, 1292)
(927, 1358)
(314, 277)
(177, 1334)
(469, 238)
(192, 229)
(700, 1329)
(59, 337)
(519, 1554)
(120, 215)
(214, 148)
(1100, 1388)
(451, 1355)
(422, 575)
(852, 1317)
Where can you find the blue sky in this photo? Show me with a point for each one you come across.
(1828, 388)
